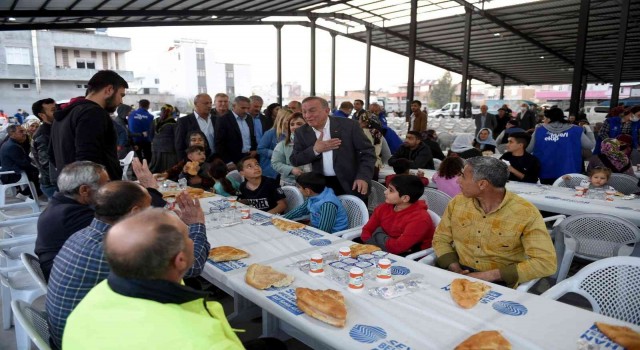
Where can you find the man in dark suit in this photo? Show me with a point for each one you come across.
(485, 120)
(200, 120)
(235, 132)
(528, 119)
(336, 148)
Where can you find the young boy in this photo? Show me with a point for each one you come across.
(522, 166)
(402, 167)
(401, 225)
(326, 210)
(259, 191)
(201, 179)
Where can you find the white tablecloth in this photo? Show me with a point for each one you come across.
(426, 319)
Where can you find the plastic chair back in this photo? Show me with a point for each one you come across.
(294, 197)
(236, 176)
(376, 196)
(34, 323)
(125, 163)
(573, 182)
(356, 210)
(593, 237)
(437, 201)
(33, 267)
(436, 163)
(624, 183)
(611, 286)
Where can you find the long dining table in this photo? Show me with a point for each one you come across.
(425, 318)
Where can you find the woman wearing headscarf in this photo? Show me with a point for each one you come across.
(484, 141)
(164, 153)
(463, 147)
(612, 157)
(122, 129)
(371, 129)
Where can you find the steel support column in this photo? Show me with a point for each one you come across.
(465, 61)
(279, 61)
(583, 91)
(581, 44)
(333, 71)
(413, 28)
(622, 39)
(367, 76)
(312, 89)
(502, 87)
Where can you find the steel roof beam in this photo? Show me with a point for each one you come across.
(522, 35)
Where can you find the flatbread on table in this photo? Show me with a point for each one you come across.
(227, 253)
(485, 340)
(621, 335)
(359, 249)
(325, 305)
(194, 192)
(467, 293)
(286, 225)
(263, 277)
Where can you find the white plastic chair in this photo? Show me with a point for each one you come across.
(624, 183)
(125, 163)
(436, 163)
(376, 196)
(435, 219)
(611, 285)
(294, 197)
(236, 176)
(356, 210)
(33, 267)
(436, 200)
(573, 182)
(33, 322)
(28, 202)
(593, 237)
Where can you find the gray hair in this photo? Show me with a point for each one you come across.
(323, 102)
(491, 169)
(77, 174)
(256, 98)
(150, 260)
(195, 99)
(241, 99)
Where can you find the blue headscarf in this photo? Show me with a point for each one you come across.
(489, 141)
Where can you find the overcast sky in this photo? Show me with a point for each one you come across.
(256, 45)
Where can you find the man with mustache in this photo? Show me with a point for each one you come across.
(84, 131)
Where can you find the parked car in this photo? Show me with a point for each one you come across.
(452, 109)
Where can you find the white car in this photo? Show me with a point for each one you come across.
(452, 109)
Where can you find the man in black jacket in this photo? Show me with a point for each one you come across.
(202, 119)
(44, 109)
(84, 130)
(14, 158)
(414, 150)
(235, 132)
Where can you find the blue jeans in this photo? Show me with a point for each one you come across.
(49, 190)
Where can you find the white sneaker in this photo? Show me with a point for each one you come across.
(21, 196)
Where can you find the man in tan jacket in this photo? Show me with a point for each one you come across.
(418, 119)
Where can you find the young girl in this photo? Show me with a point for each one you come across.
(598, 178)
(225, 186)
(447, 175)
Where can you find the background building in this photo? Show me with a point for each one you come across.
(190, 69)
(58, 64)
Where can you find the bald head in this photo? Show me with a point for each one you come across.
(117, 199)
(152, 244)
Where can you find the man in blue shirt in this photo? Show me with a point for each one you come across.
(345, 110)
(80, 265)
(14, 158)
(140, 122)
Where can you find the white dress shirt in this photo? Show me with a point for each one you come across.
(206, 126)
(327, 157)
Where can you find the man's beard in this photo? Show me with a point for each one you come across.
(109, 104)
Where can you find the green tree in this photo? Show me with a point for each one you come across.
(442, 91)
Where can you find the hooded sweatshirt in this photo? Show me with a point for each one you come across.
(405, 228)
(84, 131)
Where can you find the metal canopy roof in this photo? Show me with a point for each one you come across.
(530, 43)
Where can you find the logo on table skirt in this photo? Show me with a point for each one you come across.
(593, 336)
(510, 308)
(287, 300)
(227, 266)
(487, 298)
(305, 234)
(367, 334)
(262, 219)
(320, 242)
(400, 270)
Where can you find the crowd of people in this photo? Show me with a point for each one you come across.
(115, 265)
